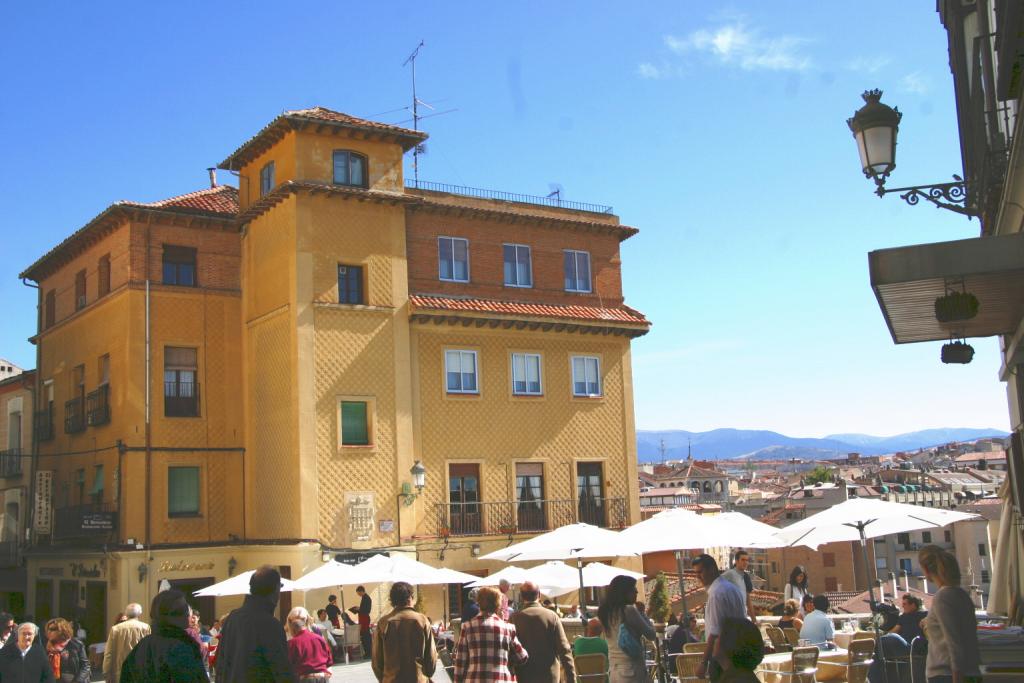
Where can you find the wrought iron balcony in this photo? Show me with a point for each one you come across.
(181, 399)
(91, 520)
(74, 415)
(43, 420)
(507, 517)
(10, 462)
(97, 405)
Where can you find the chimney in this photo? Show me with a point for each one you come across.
(924, 583)
(976, 596)
(881, 589)
(213, 176)
(906, 581)
(895, 588)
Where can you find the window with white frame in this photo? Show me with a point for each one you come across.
(586, 376)
(453, 259)
(518, 271)
(526, 374)
(577, 270)
(460, 372)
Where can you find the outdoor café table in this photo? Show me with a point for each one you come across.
(843, 638)
(783, 661)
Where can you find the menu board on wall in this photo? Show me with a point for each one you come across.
(42, 519)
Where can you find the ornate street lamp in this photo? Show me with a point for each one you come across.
(874, 127)
(419, 480)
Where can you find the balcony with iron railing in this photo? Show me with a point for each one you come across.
(88, 521)
(43, 421)
(553, 200)
(10, 462)
(97, 406)
(494, 518)
(9, 556)
(74, 415)
(181, 399)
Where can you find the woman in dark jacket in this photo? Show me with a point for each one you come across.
(30, 668)
(169, 653)
(66, 654)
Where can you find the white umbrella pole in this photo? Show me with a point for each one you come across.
(871, 597)
(583, 595)
(682, 580)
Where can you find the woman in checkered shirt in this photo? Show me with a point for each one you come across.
(488, 649)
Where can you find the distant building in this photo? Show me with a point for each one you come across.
(8, 369)
(990, 460)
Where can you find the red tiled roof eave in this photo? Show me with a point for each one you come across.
(217, 199)
(298, 119)
(615, 317)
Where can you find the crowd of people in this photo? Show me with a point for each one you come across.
(499, 640)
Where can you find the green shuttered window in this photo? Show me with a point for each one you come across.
(354, 424)
(182, 491)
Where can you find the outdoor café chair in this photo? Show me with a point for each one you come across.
(695, 647)
(591, 667)
(778, 638)
(861, 655)
(446, 662)
(792, 635)
(804, 664)
(687, 665)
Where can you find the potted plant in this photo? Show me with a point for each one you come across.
(956, 306)
(957, 352)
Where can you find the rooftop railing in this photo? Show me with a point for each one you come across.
(10, 462)
(479, 193)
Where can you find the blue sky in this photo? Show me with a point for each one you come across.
(718, 131)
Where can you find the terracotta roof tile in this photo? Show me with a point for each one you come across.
(586, 313)
(220, 199)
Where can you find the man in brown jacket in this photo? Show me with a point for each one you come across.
(123, 637)
(403, 647)
(541, 633)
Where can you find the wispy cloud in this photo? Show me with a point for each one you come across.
(737, 44)
(916, 83)
(868, 65)
(648, 70)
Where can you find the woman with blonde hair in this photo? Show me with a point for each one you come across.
(951, 625)
(791, 615)
(308, 652)
(66, 653)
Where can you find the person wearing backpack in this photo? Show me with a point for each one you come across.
(624, 626)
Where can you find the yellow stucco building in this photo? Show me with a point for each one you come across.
(241, 377)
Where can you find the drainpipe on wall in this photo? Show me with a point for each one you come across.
(31, 503)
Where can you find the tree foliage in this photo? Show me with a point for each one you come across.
(658, 607)
(819, 475)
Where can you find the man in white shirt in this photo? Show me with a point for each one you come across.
(740, 577)
(818, 628)
(724, 600)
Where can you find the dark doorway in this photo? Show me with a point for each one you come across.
(284, 605)
(44, 601)
(95, 620)
(67, 603)
(206, 605)
(590, 491)
(464, 498)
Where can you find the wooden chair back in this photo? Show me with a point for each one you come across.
(861, 655)
(694, 647)
(592, 667)
(861, 635)
(792, 636)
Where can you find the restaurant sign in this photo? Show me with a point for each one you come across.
(43, 505)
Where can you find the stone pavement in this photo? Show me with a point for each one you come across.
(360, 672)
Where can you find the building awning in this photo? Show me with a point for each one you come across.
(908, 280)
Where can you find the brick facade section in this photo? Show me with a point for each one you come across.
(486, 260)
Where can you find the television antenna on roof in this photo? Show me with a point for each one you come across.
(416, 103)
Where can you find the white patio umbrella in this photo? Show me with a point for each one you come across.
(572, 541)
(236, 585)
(329, 574)
(385, 569)
(510, 573)
(558, 578)
(859, 519)
(680, 529)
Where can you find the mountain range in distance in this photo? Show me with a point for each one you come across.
(721, 444)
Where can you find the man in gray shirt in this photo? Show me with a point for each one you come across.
(740, 577)
(724, 600)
